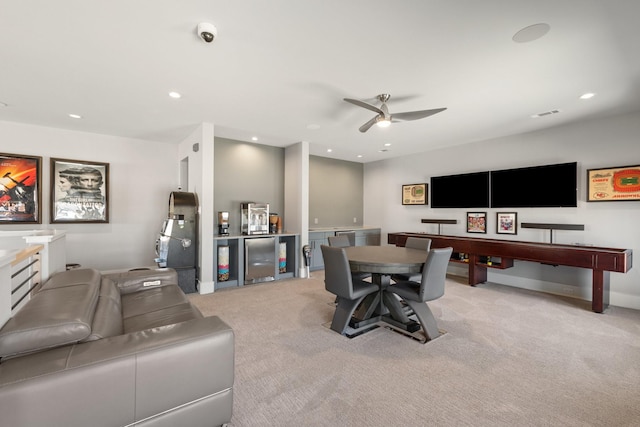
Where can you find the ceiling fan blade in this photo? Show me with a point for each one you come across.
(365, 127)
(364, 105)
(415, 115)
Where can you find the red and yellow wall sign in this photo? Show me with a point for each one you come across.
(613, 184)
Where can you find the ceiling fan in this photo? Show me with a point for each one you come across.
(384, 118)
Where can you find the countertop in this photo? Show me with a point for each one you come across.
(344, 228)
(253, 236)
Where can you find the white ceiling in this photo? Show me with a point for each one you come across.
(278, 66)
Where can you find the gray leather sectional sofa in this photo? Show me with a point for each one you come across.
(122, 349)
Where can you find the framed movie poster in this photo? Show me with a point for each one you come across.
(476, 222)
(20, 189)
(620, 183)
(79, 191)
(414, 194)
(507, 223)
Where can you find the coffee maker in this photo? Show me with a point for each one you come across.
(223, 223)
(273, 223)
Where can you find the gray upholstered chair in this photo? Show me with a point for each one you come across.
(349, 291)
(431, 287)
(413, 243)
(342, 241)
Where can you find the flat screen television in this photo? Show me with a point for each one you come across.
(469, 190)
(535, 187)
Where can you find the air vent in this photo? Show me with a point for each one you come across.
(546, 113)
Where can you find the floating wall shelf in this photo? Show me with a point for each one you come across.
(439, 222)
(551, 227)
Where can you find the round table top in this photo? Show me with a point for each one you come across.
(385, 259)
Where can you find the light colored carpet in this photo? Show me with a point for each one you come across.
(510, 357)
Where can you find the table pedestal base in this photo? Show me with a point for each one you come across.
(383, 309)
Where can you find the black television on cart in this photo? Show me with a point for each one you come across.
(547, 186)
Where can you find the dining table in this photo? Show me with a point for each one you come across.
(382, 262)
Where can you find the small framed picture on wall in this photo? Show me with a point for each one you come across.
(415, 194)
(476, 222)
(507, 223)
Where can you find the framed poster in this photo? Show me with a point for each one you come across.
(507, 223)
(79, 191)
(414, 194)
(620, 183)
(476, 222)
(20, 189)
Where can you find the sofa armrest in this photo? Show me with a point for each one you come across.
(125, 379)
(137, 280)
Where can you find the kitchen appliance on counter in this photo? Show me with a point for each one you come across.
(274, 219)
(223, 223)
(177, 245)
(255, 218)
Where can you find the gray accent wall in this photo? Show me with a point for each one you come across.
(245, 172)
(252, 172)
(335, 193)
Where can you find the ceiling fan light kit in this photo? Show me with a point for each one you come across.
(382, 122)
(383, 118)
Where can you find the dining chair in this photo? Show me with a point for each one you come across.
(413, 243)
(431, 287)
(349, 291)
(342, 241)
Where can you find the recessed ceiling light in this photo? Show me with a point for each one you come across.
(175, 95)
(359, 156)
(383, 151)
(254, 138)
(75, 116)
(388, 144)
(531, 33)
(587, 95)
(329, 150)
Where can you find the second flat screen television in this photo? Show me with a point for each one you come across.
(535, 187)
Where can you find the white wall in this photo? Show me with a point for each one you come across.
(141, 176)
(600, 143)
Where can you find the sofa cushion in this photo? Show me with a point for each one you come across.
(151, 299)
(51, 318)
(166, 316)
(107, 321)
(72, 278)
(142, 279)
